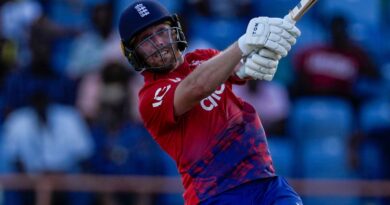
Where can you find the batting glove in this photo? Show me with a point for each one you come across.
(260, 65)
(276, 34)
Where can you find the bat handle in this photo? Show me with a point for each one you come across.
(289, 18)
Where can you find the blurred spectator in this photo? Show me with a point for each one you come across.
(71, 15)
(46, 138)
(337, 68)
(370, 149)
(8, 53)
(97, 45)
(271, 100)
(113, 83)
(16, 19)
(364, 22)
(122, 145)
(334, 68)
(68, 13)
(39, 74)
(114, 95)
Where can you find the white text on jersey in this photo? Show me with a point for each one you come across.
(159, 94)
(211, 101)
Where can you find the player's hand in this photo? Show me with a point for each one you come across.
(259, 65)
(289, 19)
(276, 34)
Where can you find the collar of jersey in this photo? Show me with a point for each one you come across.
(179, 72)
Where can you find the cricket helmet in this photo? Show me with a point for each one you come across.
(140, 15)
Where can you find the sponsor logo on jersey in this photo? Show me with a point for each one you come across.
(161, 92)
(159, 95)
(211, 101)
(176, 80)
(196, 62)
(208, 103)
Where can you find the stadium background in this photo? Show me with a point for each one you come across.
(69, 118)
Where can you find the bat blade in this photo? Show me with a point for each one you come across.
(304, 5)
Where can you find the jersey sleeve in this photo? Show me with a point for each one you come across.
(205, 54)
(234, 79)
(200, 55)
(157, 108)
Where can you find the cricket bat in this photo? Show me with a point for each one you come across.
(297, 12)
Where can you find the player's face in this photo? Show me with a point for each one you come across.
(157, 48)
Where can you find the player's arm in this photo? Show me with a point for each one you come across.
(274, 34)
(205, 79)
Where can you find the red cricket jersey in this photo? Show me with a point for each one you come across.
(217, 145)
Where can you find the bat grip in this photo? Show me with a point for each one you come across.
(289, 18)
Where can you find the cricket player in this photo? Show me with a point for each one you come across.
(188, 106)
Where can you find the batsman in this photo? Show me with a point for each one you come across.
(187, 104)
